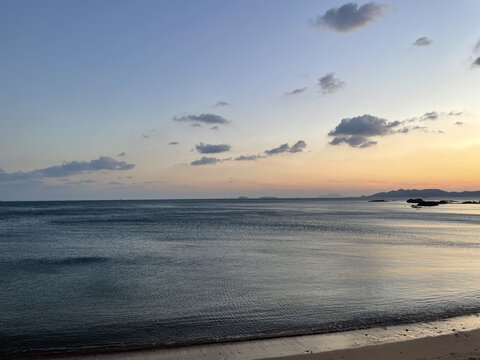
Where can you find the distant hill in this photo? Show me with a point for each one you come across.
(425, 193)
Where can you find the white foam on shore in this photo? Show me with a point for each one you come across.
(297, 345)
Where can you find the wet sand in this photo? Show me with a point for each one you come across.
(454, 338)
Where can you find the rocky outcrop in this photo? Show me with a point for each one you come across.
(421, 202)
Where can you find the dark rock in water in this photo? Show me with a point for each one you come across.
(380, 200)
(421, 202)
(471, 202)
(414, 201)
(442, 202)
(429, 203)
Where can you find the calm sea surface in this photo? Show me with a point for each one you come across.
(128, 273)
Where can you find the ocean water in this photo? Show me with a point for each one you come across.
(77, 275)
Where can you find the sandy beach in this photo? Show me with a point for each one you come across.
(453, 338)
(457, 346)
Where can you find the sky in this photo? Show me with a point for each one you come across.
(216, 99)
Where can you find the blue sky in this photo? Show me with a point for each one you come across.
(86, 80)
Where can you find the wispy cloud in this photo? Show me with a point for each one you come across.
(248, 157)
(455, 113)
(212, 149)
(422, 41)
(122, 154)
(278, 150)
(221, 103)
(297, 91)
(202, 118)
(432, 115)
(67, 169)
(173, 143)
(148, 133)
(206, 161)
(82, 182)
(350, 17)
(299, 146)
(353, 141)
(329, 83)
(475, 56)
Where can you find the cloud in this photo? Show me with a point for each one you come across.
(82, 182)
(278, 150)
(432, 115)
(122, 154)
(173, 143)
(212, 149)
(299, 146)
(329, 83)
(214, 127)
(297, 91)
(408, 129)
(423, 41)
(202, 118)
(357, 131)
(476, 52)
(248, 157)
(354, 141)
(221, 103)
(350, 17)
(67, 169)
(148, 133)
(458, 123)
(476, 48)
(365, 125)
(455, 113)
(206, 161)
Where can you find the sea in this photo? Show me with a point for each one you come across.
(78, 275)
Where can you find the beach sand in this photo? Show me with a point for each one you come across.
(454, 338)
(458, 346)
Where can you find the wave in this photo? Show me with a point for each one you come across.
(80, 260)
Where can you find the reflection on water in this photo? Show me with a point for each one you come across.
(120, 273)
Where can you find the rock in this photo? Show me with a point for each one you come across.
(428, 203)
(415, 201)
(421, 202)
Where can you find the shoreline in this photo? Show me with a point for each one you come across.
(290, 347)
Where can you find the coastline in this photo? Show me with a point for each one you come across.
(458, 335)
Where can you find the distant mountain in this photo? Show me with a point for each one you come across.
(425, 193)
(329, 196)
